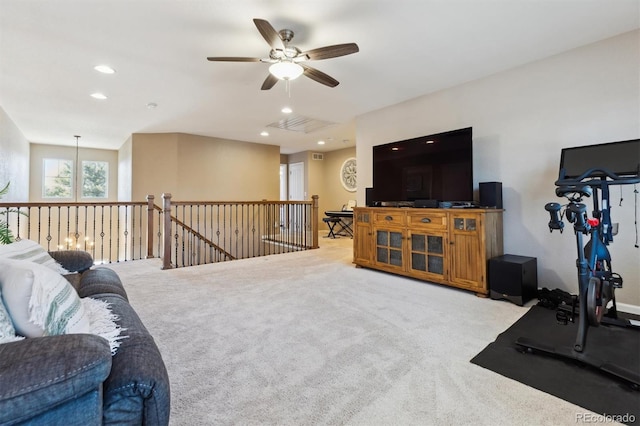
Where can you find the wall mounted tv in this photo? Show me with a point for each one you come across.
(435, 167)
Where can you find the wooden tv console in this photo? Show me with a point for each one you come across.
(446, 246)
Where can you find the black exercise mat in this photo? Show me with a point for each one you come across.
(565, 378)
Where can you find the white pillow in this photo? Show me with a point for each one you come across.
(40, 301)
(31, 251)
(7, 332)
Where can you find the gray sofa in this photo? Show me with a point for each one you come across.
(73, 379)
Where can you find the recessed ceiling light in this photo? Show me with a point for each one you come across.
(287, 110)
(430, 142)
(152, 105)
(98, 96)
(264, 133)
(320, 142)
(104, 69)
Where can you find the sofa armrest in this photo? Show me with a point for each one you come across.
(137, 391)
(40, 375)
(73, 260)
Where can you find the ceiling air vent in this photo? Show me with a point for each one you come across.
(299, 123)
(317, 156)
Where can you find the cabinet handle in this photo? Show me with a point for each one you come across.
(425, 220)
(388, 218)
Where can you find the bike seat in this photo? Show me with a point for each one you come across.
(571, 191)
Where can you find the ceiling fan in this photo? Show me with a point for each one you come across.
(285, 58)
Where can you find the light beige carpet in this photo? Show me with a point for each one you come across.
(307, 338)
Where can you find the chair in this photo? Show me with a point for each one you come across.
(331, 223)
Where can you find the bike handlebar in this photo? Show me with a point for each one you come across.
(596, 176)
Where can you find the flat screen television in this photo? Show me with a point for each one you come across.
(435, 167)
(621, 158)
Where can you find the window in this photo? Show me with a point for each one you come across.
(58, 176)
(95, 179)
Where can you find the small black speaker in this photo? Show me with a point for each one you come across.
(514, 278)
(426, 204)
(491, 194)
(368, 197)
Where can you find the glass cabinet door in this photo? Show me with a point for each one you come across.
(427, 253)
(389, 247)
(464, 224)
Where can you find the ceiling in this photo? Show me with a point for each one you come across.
(158, 48)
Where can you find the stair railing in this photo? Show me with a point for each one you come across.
(180, 233)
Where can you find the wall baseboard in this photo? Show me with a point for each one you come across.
(630, 309)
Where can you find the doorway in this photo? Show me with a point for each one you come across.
(296, 193)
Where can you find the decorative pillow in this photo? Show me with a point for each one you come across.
(31, 251)
(40, 301)
(7, 332)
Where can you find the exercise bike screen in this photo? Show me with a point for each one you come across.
(621, 158)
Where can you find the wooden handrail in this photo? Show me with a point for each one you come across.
(115, 231)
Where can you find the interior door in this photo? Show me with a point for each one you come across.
(296, 182)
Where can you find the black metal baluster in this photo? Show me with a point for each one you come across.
(141, 227)
(159, 233)
(111, 236)
(40, 225)
(102, 234)
(126, 230)
(93, 233)
(49, 237)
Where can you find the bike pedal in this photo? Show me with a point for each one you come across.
(616, 281)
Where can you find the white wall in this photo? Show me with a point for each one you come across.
(14, 160)
(125, 172)
(521, 120)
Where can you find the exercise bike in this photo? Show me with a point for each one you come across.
(597, 281)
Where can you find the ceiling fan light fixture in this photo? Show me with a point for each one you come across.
(286, 70)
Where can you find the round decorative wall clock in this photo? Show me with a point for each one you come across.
(348, 175)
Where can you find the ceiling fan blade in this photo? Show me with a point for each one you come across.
(269, 33)
(319, 76)
(331, 51)
(232, 59)
(269, 82)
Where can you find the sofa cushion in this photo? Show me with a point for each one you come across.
(100, 280)
(73, 260)
(31, 251)
(40, 301)
(40, 375)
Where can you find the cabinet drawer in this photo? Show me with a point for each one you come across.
(427, 220)
(389, 218)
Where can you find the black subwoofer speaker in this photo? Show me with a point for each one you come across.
(514, 278)
(491, 194)
(368, 197)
